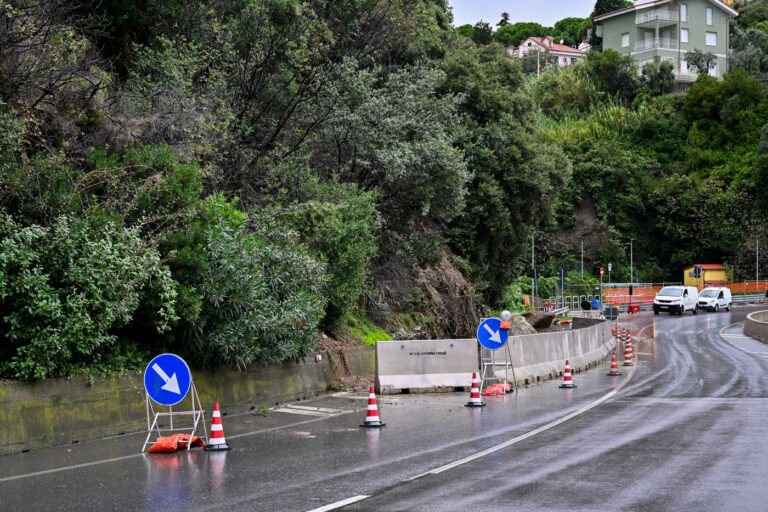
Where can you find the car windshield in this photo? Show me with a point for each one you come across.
(708, 294)
(671, 292)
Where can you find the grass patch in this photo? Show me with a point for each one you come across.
(365, 330)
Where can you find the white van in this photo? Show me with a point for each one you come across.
(676, 299)
(715, 298)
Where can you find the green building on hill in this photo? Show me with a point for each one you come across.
(666, 30)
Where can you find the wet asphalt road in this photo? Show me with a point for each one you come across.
(687, 431)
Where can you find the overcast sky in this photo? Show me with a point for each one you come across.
(543, 12)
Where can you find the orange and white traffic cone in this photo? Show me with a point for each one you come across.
(474, 394)
(627, 356)
(216, 441)
(372, 416)
(567, 380)
(630, 349)
(614, 367)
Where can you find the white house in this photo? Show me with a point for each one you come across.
(564, 55)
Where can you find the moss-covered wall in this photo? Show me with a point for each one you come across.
(60, 411)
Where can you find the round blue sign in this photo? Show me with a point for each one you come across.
(491, 335)
(167, 379)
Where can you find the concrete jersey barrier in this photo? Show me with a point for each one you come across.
(444, 365)
(424, 365)
(756, 325)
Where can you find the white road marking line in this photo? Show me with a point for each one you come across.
(304, 413)
(65, 468)
(115, 459)
(339, 504)
(532, 433)
(316, 409)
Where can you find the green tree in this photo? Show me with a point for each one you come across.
(613, 73)
(482, 33)
(660, 79)
(570, 30)
(701, 60)
(466, 30)
(514, 34)
(504, 20)
(748, 50)
(515, 176)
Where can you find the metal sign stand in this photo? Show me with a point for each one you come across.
(197, 413)
(489, 367)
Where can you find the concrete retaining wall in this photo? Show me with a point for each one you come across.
(756, 325)
(61, 411)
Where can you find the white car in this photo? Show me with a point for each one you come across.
(676, 299)
(715, 298)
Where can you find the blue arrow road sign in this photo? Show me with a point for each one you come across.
(167, 379)
(490, 335)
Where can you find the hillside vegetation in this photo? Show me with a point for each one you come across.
(222, 179)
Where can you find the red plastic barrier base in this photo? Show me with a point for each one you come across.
(174, 442)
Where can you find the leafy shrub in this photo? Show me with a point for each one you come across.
(258, 289)
(64, 289)
(340, 228)
(146, 185)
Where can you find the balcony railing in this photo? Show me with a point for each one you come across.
(656, 14)
(664, 43)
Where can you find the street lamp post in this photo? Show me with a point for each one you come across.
(631, 262)
(582, 257)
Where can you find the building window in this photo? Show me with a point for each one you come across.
(625, 39)
(711, 38)
(683, 12)
(683, 66)
(713, 70)
(709, 15)
(684, 35)
(530, 44)
(573, 60)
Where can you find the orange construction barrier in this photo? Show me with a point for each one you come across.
(174, 442)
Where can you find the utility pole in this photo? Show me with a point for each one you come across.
(757, 258)
(533, 271)
(582, 257)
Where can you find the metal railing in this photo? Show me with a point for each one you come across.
(666, 43)
(749, 299)
(656, 14)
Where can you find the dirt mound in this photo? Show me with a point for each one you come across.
(451, 301)
(539, 319)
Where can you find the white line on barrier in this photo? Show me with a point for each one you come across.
(532, 433)
(339, 504)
